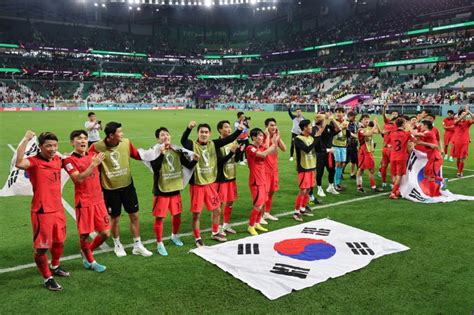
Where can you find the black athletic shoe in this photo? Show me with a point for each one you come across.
(60, 272)
(377, 189)
(307, 212)
(52, 285)
(361, 190)
(199, 243)
(353, 177)
(340, 188)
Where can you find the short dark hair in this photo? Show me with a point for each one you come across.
(428, 111)
(364, 116)
(77, 133)
(399, 122)
(432, 116)
(90, 114)
(254, 132)
(157, 131)
(44, 136)
(351, 114)
(411, 117)
(340, 109)
(111, 128)
(428, 124)
(221, 123)
(239, 114)
(450, 111)
(269, 120)
(203, 126)
(304, 123)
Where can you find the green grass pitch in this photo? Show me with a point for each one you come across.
(435, 276)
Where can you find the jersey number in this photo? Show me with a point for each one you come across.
(398, 145)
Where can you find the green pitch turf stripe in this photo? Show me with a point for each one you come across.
(151, 241)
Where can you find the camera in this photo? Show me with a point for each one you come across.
(248, 118)
(100, 122)
(371, 124)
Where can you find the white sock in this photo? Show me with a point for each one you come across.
(174, 235)
(116, 241)
(159, 243)
(54, 267)
(137, 241)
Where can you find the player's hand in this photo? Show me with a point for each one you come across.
(98, 158)
(266, 132)
(192, 124)
(234, 147)
(241, 125)
(196, 157)
(29, 135)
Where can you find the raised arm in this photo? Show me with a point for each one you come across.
(185, 142)
(292, 116)
(21, 162)
(78, 177)
(224, 141)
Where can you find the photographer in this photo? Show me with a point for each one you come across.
(243, 139)
(93, 126)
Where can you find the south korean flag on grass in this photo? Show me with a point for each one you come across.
(18, 182)
(294, 258)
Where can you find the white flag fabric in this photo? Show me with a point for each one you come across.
(298, 257)
(18, 183)
(415, 187)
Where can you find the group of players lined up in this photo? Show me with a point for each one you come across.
(340, 140)
(100, 192)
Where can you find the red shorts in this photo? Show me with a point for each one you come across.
(448, 136)
(386, 156)
(273, 182)
(433, 167)
(306, 179)
(259, 194)
(398, 168)
(227, 191)
(163, 203)
(204, 194)
(92, 218)
(366, 160)
(48, 228)
(460, 151)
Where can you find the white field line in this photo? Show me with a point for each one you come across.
(151, 241)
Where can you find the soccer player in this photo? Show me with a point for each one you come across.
(428, 140)
(243, 139)
(305, 165)
(339, 144)
(271, 166)
(91, 213)
(388, 127)
(461, 138)
(324, 151)
(399, 140)
(366, 152)
(295, 129)
(93, 126)
(256, 155)
(117, 185)
(352, 143)
(167, 183)
(430, 117)
(47, 213)
(202, 187)
(448, 125)
(226, 184)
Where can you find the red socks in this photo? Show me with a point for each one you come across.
(383, 171)
(460, 166)
(56, 252)
(304, 201)
(227, 213)
(299, 201)
(86, 250)
(215, 228)
(175, 223)
(197, 233)
(253, 217)
(395, 188)
(42, 264)
(372, 183)
(268, 204)
(96, 242)
(158, 228)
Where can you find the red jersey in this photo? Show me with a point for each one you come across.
(89, 191)
(271, 161)
(388, 128)
(256, 165)
(45, 177)
(399, 140)
(429, 137)
(437, 134)
(461, 132)
(448, 122)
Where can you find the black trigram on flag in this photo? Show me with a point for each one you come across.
(316, 231)
(414, 193)
(13, 177)
(288, 270)
(248, 249)
(360, 248)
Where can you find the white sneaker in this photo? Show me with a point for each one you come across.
(332, 190)
(268, 216)
(119, 250)
(140, 250)
(242, 163)
(446, 157)
(291, 159)
(262, 221)
(321, 192)
(384, 185)
(451, 159)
